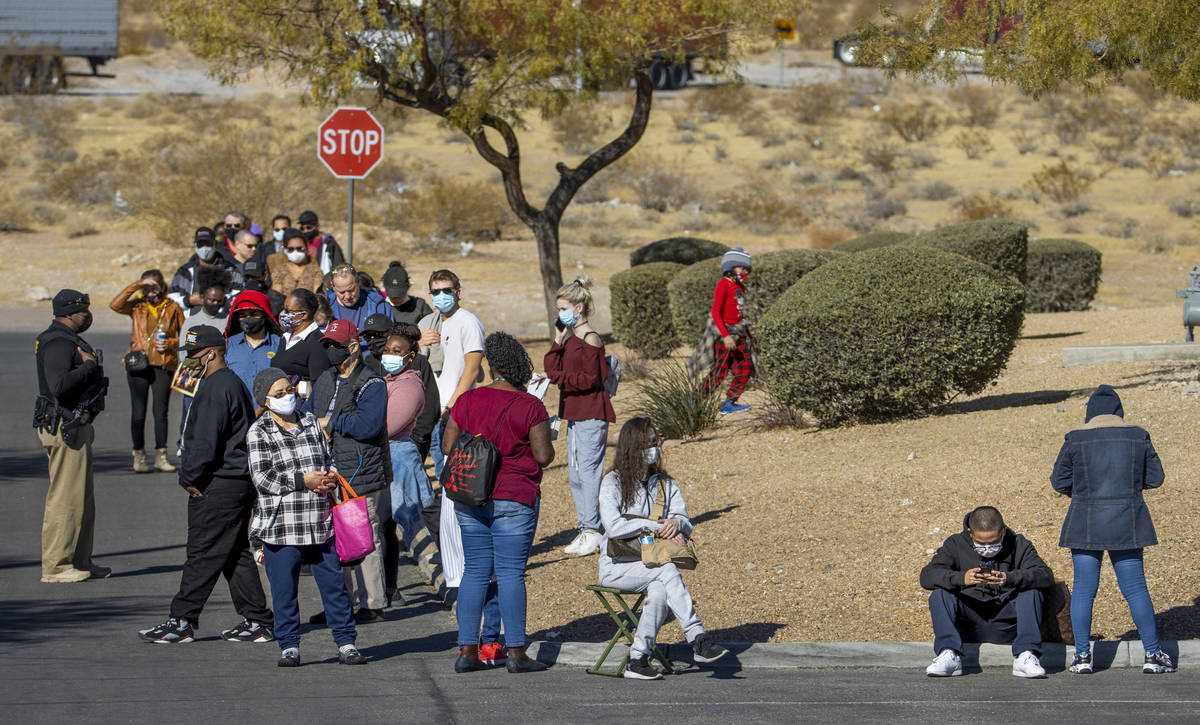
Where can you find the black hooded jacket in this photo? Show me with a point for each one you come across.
(1018, 559)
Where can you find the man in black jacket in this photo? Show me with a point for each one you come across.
(214, 470)
(71, 389)
(986, 583)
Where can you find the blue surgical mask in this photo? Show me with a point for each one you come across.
(392, 363)
(567, 317)
(444, 301)
(278, 234)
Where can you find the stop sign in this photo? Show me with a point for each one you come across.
(350, 142)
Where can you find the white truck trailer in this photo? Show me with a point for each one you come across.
(36, 35)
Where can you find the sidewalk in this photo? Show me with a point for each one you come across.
(823, 655)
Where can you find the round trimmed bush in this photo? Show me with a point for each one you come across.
(874, 240)
(773, 272)
(1001, 244)
(681, 250)
(1063, 275)
(637, 299)
(889, 333)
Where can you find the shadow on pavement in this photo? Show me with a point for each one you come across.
(33, 464)
(440, 642)
(32, 620)
(1181, 622)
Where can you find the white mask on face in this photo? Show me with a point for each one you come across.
(278, 235)
(651, 455)
(206, 253)
(297, 256)
(282, 406)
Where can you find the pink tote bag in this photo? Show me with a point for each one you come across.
(352, 535)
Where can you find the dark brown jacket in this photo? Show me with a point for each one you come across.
(130, 302)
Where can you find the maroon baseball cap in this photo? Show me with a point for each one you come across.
(340, 331)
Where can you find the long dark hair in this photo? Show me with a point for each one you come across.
(629, 462)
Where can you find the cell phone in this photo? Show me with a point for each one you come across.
(558, 324)
(987, 569)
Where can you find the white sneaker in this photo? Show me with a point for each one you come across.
(572, 549)
(946, 664)
(1027, 664)
(590, 543)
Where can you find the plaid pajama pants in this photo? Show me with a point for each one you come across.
(736, 363)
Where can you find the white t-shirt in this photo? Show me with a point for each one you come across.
(462, 333)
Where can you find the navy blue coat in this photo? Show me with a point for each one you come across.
(1104, 467)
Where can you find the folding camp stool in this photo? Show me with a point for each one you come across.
(625, 614)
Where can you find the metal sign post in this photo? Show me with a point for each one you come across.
(785, 29)
(350, 225)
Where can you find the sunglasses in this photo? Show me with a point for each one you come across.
(307, 227)
(441, 291)
(329, 343)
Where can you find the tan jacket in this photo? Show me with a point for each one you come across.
(285, 277)
(129, 302)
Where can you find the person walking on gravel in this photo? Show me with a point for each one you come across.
(727, 347)
(987, 584)
(576, 364)
(627, 508)
(1103, 467)
(150, 361)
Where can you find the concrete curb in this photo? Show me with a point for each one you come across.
(893, 655)
(820, 655)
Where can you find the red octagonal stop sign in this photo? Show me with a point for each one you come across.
(350, 142)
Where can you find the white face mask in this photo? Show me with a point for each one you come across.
(651, 455)
(282, 406)
(278, 234)
(297, 256)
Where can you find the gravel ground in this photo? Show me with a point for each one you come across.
(820, 534)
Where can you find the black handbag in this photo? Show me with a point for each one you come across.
(472, 464)
(136, 361)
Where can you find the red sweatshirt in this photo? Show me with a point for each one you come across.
(579, 369)
(727, 304)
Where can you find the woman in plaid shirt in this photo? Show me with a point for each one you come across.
(292, 472)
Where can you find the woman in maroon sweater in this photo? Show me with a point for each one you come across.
(576, 364)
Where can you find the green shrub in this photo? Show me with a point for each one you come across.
(999, 243)
(773, 272)
(678, 403)
(681, 250)
(640, 318)
(874, 240)
(889, 333)
(1063, 275)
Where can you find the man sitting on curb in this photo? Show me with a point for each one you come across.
(986, 583)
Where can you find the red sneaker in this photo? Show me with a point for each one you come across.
(492, 654)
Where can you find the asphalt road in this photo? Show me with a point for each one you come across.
(69, 653)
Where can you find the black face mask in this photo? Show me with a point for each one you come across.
(86, 323)
(376, 346)
(253, 325)
(213, 310)
(310, 235)
(337, 355)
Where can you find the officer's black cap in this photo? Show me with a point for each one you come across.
(307, 217)
(201, 337)
(69, 301)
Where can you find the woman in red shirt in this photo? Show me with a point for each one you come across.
(732, 351)
(576, 364)
(497, 536)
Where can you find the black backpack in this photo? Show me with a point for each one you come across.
(472, 464)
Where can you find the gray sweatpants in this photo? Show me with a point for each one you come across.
(665, 593)
(586, 443)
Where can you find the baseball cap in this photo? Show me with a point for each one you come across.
(341, 331)
(307, 217)
(396, 281)
(377, 322)
(202, 336)
(203, 235)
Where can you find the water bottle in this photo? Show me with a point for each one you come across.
(160, 334)
(646, 539)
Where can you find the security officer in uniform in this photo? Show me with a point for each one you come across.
(71, 390)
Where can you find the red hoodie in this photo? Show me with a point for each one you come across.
(250, 299)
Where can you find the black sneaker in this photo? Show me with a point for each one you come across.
(367, 616)
(1082, 664)
(289, 658)
(705, 650)
(173, 631)
(640, 669)
(349, 655)
(249, 631)
(1158, 663)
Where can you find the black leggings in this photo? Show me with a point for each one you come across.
(140, 384)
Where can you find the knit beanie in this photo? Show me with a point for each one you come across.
(263, 382)
(736, 257)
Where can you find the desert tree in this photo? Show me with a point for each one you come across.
(479, 65)
(1039, 45)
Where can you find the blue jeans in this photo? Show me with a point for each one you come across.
(409, 491)
(957, 619)
(283, 572)
(496, 540)
(1130, 577)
